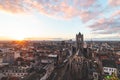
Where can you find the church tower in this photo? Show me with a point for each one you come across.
(79, 41)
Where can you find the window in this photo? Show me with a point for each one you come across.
(106, 69)
(109, 69)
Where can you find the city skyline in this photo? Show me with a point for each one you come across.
(59, 19)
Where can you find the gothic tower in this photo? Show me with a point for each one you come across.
(79, 41)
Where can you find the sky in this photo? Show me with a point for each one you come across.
(59, 19)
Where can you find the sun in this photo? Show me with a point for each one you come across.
(19, 37)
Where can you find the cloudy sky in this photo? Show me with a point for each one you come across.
(59, 19)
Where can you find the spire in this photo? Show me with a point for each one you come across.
(79, 33)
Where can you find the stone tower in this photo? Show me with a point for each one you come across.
(79, 41)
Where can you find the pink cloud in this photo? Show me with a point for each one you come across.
(116, 13)
(11, 6)
(63, 8)
(114, 2)
(68, 11)
(84, 3)
(84, 15)
(106, 26)
(110, 30)
(101, 20)
(88, 15)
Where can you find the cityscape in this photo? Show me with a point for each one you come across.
(59, 39)
(60, 60)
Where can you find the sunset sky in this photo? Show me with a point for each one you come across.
(59, 19)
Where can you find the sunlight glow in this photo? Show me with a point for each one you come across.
(18, 37)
